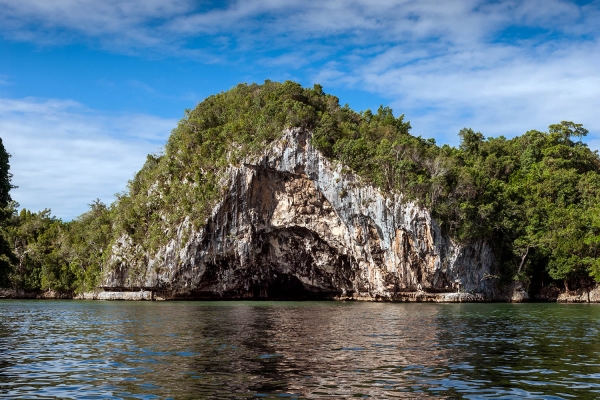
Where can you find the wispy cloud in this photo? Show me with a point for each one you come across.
(501, 67)
(120, 22)
(167, 23)
(501, 89)
(64, 155)
(134, 83)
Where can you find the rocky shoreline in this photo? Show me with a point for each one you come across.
(149, 295)
(515, 294)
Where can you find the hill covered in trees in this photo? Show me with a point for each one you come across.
(534, 198)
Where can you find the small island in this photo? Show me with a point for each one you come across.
(276, 191)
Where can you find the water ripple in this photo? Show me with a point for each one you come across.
(70, 349)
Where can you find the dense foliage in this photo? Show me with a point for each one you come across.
(535, 197)
(52, 254)
(7, 207)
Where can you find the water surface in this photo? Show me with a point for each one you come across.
(77, 349)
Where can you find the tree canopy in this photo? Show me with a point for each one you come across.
(5, 177)
(6, 209)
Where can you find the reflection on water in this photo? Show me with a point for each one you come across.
(73, 349)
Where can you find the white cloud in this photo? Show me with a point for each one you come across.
(445, 65)
(167, 24)
(64, 155)
(498, 89)
(121, 25)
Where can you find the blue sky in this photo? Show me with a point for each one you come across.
(88, 88)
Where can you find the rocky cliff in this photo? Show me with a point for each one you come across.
(292, 224)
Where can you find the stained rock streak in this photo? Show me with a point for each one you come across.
(294, 224)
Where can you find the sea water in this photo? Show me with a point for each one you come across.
(147, 350)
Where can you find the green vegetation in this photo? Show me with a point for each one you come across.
(51, 254)
(7, 207)
(535, 197)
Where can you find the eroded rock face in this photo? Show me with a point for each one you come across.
(589, 295)
(293, 225)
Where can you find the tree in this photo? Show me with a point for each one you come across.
(7, 207)
(5, 177)
(567, 129)
(470, 141)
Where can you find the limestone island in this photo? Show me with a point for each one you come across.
(276, 191)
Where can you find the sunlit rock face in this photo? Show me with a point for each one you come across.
(293, 224)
